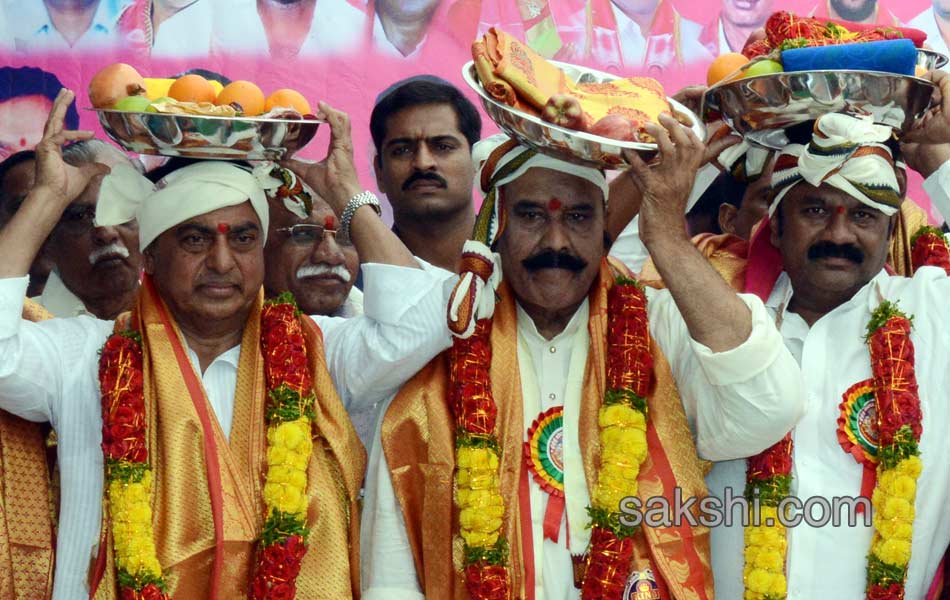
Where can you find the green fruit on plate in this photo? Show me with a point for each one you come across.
(133, 103)
(151, 106)
(763, 67)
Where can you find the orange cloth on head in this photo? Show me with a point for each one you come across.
(27, 540)
(184, 530)
(418, 439)
(532, 78)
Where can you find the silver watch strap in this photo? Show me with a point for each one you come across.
(361, 199)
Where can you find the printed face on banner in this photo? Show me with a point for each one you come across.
(21, 123)
(747, 12)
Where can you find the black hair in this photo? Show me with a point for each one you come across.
(420, 92)
(209, 75)
(8, 204)
(32, 81)
(180, 162)
(704, 216)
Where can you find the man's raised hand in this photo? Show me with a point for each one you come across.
(64, 181)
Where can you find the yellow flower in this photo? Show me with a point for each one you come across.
(483, 521)
(759, 581)
(905, 487)
(897, 508)
(910, 466)
(279, 474)
(622, 415)
(777, 586)
(477, 539)
(292, 433)
(770, 560)
(298, 460)
(276, 455)
(893, 552)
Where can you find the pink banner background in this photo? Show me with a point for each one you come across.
(346, 51)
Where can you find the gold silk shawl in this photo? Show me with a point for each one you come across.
(27, 540)
(910, 218)
(209, 553)
(725, 252)
(418, 439)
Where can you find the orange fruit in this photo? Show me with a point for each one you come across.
(723, 66)
(245, 93)
(192, 88)
(919, 71)
(287, 98)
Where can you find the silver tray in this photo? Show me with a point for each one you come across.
(207, 137)
(757, 106)
(930, 59)
(568, 144)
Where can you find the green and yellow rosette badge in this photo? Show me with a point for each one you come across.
(544, 457)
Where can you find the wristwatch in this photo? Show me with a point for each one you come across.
(361, 199)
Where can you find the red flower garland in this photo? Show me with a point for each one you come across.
(929, 248)
(629, 372)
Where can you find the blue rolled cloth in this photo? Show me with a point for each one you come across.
(888, 56)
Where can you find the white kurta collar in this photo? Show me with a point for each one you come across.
(59, 300)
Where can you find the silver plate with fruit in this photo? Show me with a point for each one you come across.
(758, 106)
(930, 59)
(247, 138)
(569, 144)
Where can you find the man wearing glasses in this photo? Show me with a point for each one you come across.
(96, 268)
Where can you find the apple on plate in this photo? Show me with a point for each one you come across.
(762, 67)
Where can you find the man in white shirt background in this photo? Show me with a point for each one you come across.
(64, 25)
(96, 268)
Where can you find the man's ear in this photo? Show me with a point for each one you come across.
(727, 218)
(148, 261)
(901, 175)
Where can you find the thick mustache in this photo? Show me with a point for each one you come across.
(831, 250)
(554, 260)
(322, 269)
(109, 251)
(420, 176)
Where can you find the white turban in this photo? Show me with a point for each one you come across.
(181, 195)
(499, 160)
(845, 152)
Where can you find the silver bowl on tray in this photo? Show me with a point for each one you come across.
(569, 144)
(930, 59)
(758, 106)
(195, 136)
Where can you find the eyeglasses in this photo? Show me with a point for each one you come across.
(79, 219)
(308, 234)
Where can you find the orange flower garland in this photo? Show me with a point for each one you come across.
(289, 412)
(128, 473)
(622, 425)
(899, 465)
(623, 444)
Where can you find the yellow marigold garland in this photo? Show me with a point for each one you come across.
(623, 443)
(290, 413)
(899, 465)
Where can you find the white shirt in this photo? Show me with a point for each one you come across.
(383, 46)
(831, 562)
(633, 44)
(927, 22)
(59, 300)
(185, 33)
(33, 29)
(737, 403)
(337, 27)
(48, 372)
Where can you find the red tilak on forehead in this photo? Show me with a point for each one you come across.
(223, 228)
(554, 204)
(329, 222)
(840, 210)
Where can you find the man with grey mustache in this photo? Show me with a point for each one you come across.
(307, 255)
(96, 268)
